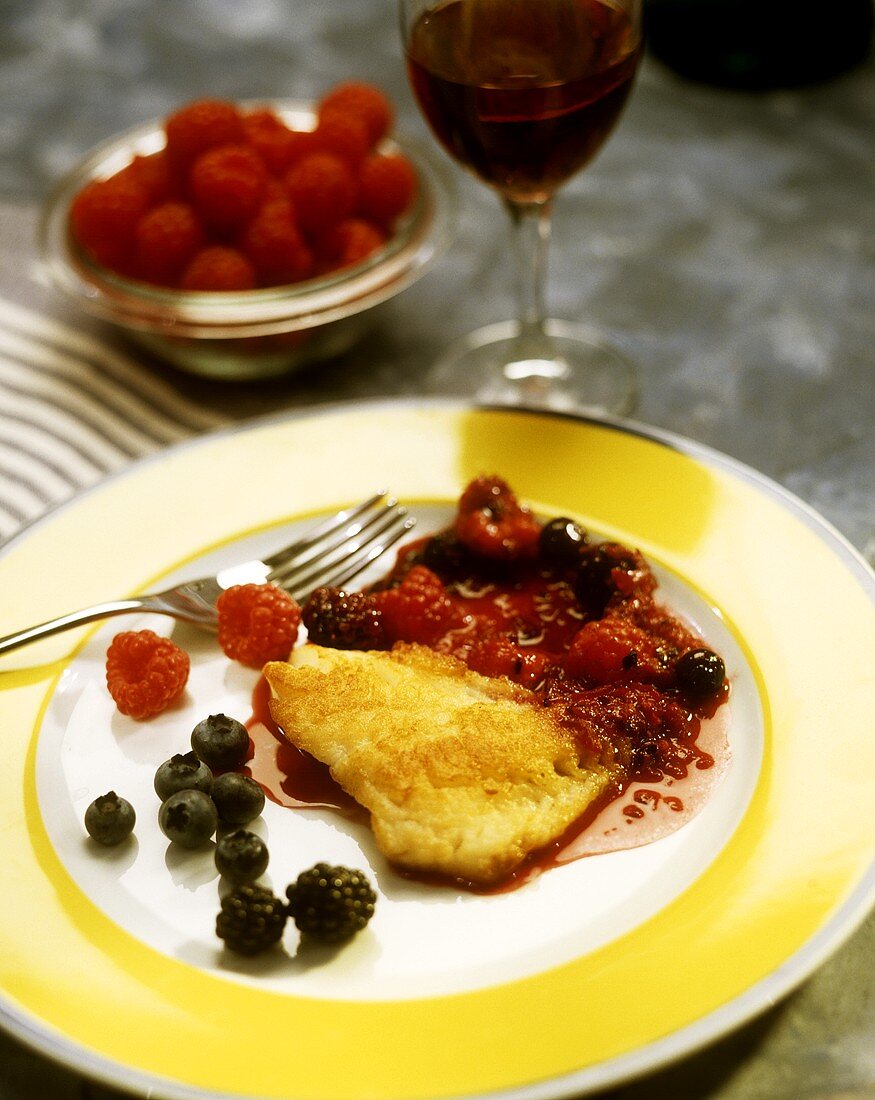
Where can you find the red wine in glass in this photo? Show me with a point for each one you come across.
(524, 93)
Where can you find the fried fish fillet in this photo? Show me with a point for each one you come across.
(461, 775)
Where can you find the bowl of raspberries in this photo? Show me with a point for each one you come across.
(241, 240)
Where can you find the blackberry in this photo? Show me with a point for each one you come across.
(109, 819)
(221, 742)
(700, 673)
(182, 772)
(238, 798)
(188, 818)
(241, 856)
(343, 620)
(560, 542)
(331, 903)
(445, 555)
(251, 920)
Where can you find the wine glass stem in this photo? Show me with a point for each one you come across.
(535, 362)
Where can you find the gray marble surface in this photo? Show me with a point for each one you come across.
(724, 240)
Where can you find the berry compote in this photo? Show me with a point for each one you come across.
(572, 619)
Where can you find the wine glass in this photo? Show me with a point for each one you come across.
(524, 93)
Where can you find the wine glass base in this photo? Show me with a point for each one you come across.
(571, 369)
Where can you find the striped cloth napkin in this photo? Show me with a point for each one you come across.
(73, 410)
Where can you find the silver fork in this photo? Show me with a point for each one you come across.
(330, 553)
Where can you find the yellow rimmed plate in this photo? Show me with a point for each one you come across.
(594, 973)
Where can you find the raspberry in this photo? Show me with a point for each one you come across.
(199, 126)
(277, 145)
(344, 135)
(104, 217)
(274, 244)
(350, 242)
(274, 191)
(261, 120)
(153, 173)
(343, 620)
(363, 101)
(299, 144)
(227, 185)
(323, 191)
(387, 185)
(501, 657)
(611, 650)
(145, 673)
(257, 623)
(418, 610)
(491, 521)
(167, 238)
(218, 268)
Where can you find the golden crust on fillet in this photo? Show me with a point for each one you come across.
(461, 774)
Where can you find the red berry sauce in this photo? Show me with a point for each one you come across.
(290, 777)
(586, 636)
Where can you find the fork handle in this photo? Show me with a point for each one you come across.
(67, 622)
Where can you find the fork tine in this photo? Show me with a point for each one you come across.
(321, 531)
(350, 564)
(360, 562)
(300, 572)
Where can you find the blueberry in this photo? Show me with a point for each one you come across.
(182, 772)
(560, 542)
(238, 798)
(109, 819)
(188, 818)
(241, 857)
(595, 584)
(221, 742)
(700, 673)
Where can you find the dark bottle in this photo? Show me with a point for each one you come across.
(759, 44)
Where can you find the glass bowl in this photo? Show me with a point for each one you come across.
(249, 334)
